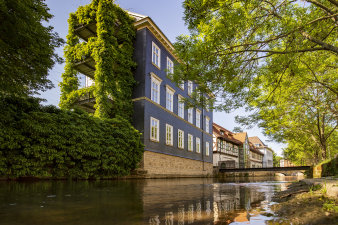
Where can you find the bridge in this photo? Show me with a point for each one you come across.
(283, 170)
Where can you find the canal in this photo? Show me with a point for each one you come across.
(152, 201)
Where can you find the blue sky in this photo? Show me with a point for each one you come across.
(168, 15)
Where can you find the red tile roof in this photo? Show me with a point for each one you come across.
(227, 135)
(256, 140)
(240, 136)
(254, 149)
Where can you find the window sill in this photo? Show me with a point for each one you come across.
(156, 65)
(153, 140)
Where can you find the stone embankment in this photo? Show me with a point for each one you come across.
(310, 201)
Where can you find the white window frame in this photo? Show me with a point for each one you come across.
(156, 136)
(180, 139)
(155, 80)
(190, 115)
(207, 124)
(190, 143)
(156, 55)
(198, 145)
(170, 66)
(180, 106)
(190, 87)
(170, 98)
(89, 82)
(198, 118)
(169, 135)
(207, 148)
(181, 85)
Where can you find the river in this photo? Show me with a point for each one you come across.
(150, 201)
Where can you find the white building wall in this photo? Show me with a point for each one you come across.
(221, 157)
(267, 158)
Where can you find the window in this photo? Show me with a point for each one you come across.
(207, 124)
(190, 115)
(170, 66)
(207, 147)
(190, 87)
(89, 81)
(170, 98)
(198, 118)
(155, 88)
(156, 56)
(169, 134)
(154, 129)
(181, 85)
(207, 107)
(190, 143)
(198, 145)
(180, 106)
(198, 96)
(180, 139)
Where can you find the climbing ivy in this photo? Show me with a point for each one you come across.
(112, 50)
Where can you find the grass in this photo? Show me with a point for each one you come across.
(330, 206)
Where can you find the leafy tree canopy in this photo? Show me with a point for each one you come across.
(278, 58)
(26, 46)
(235, 43)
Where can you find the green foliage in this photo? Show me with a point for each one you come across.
(26, 47)
(330, 167)
(232, 41)
(277, 58)
(330, 206)
(112, 50)
(276, 160)
(43, 141)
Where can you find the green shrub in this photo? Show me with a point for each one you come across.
(44, 141)
(330, 168)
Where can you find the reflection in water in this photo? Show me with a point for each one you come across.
(181, 215)
(153, 202)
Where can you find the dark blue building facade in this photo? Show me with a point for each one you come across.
(156, 104)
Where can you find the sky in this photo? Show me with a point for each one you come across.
(168, 15)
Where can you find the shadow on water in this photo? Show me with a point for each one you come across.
(154, 202)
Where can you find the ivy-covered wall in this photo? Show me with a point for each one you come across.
(43, 141)
(112, 50)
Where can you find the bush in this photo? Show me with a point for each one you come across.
(330, 168)
(44, 141)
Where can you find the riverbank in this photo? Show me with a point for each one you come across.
(310, 201)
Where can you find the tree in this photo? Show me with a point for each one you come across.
(277, 58)
(231, 41)
(26, 46)
(276, 160)
(301, 113)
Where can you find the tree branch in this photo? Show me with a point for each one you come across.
(323, 7)
(279, 52)
(283, 35)
(326, 46)
(316, 78)
(334, 2)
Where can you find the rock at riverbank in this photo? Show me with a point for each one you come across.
(310, 201)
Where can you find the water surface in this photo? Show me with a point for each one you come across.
(151, 201)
